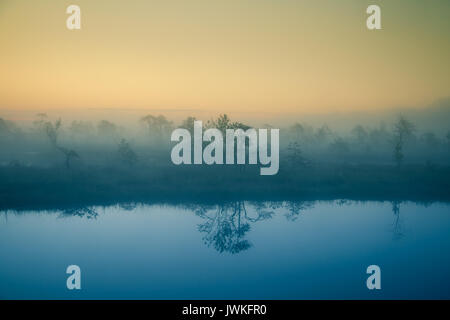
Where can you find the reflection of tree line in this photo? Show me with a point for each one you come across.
(80, 212)
(226, 225)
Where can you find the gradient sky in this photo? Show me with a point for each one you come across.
(234, 56)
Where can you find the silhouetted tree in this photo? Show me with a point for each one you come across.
(223, 122)
(69, 155)
(51, 129)
(297, 131)
(157, 125)
(188, 124)
(403, 130)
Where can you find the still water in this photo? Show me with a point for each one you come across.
(241, 250)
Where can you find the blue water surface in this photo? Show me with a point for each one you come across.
(240, 250)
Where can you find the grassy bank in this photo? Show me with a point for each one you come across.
(24, 187)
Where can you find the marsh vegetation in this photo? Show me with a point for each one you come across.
(54, 163)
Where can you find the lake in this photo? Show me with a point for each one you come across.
(238, 250)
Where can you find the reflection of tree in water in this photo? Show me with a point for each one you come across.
(226, 225)
(397, 226)
(295, 208)
(91, 213)
(80, 212)
(128, 206)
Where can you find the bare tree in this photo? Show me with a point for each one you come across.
(52, 129)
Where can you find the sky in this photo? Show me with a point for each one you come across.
(249, 58)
